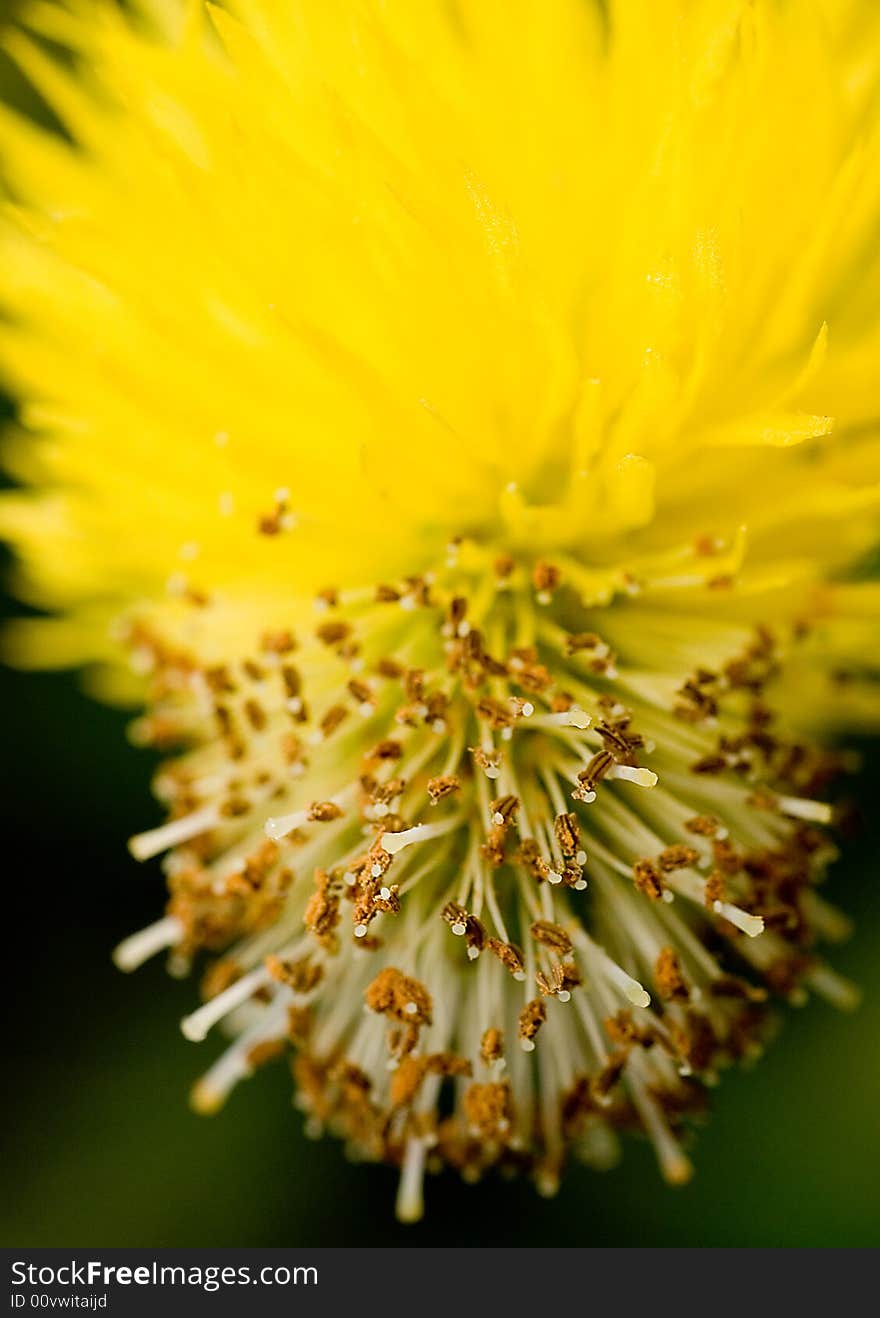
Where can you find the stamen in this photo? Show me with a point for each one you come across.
(798, 807)
(394, 842)
(675, 1166)
(456, 917)
(749, 924)
(195, 1027)
(632, 990)
(410, 1205)
(575, 717)
(145, 845)
(211, 1091)
(630, 774)
(133, 951)
(840, 992)
(690, 885)
(278, 827)
(636, 993)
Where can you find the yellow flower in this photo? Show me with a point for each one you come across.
(536, 345)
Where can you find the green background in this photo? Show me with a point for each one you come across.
(101, 1148)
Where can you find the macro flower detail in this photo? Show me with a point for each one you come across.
(455, 426)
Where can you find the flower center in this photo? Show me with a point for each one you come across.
(457, 801)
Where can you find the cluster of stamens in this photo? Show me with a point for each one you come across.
(500, 895)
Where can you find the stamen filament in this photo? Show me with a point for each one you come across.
(133, 951)
(145, 845)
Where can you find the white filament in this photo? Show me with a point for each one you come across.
(410, 1204)
(629, 774)
(568, 718)
(144, 845)
(749, 924)
(631, 988)
(394, 842)
(798, 807)
(195, 1027)
(138, 948)
(277, 827)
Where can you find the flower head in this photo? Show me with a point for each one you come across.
(465, 419)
